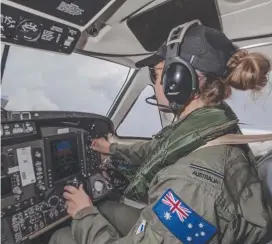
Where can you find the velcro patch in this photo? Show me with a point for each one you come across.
(205, 174)
(141, 227)
(182, 221)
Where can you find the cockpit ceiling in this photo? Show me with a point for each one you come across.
(127, 31)
(140, 33)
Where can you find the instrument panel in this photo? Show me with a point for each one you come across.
(38, 158)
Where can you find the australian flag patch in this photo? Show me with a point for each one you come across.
(182, 221)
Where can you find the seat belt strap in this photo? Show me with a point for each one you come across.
(236, 139)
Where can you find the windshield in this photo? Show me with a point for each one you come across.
(39, 80)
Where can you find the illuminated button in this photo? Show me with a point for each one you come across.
(38, 163)
(41, 187)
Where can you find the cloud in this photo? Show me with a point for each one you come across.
(49, 81)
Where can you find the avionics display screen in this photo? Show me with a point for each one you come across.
(64, 158)
(6, 187)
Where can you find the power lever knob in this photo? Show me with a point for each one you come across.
(75, 183)
(17, 190)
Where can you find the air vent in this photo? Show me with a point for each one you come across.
(236, 1)
(70, 114)
(15, 116)
(25, 116)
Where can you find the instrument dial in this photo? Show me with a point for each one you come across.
(29, 31)
(53, 201)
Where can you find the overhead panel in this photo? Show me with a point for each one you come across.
(79, 12)
(52, 25)
(30, 30)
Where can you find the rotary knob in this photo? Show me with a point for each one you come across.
(44, 206)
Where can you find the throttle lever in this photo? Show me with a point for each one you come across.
(74, 182)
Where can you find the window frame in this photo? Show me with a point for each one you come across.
(4, 59)
(128, 111)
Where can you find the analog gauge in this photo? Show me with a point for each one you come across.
(53, 201)
(29, 31)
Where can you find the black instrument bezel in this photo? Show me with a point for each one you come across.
(48, 155)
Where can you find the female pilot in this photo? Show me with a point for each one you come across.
(194, 194)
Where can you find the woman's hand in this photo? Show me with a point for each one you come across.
(101, 145)
(76, 199)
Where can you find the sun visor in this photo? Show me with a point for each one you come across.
(152, 26)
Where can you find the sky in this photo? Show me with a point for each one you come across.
(38, 80)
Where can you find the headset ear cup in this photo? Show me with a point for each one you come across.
(180, 81)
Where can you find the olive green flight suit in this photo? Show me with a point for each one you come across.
(218, 183)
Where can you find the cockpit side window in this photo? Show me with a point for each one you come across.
(143, 120)
(254, 109)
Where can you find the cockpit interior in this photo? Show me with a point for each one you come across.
(69, 74)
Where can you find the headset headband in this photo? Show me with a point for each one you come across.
(176, 37)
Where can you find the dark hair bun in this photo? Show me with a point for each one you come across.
(247, 71)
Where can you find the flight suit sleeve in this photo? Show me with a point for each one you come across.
(90, 227)
(135, 153)
(166, 219)
(253, 215)
(180, 210)
(252, 222)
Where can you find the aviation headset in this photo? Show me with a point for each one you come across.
(179, 78)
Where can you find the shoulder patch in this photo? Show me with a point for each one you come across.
(182, 221)
(141, 227)
(206, 175)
